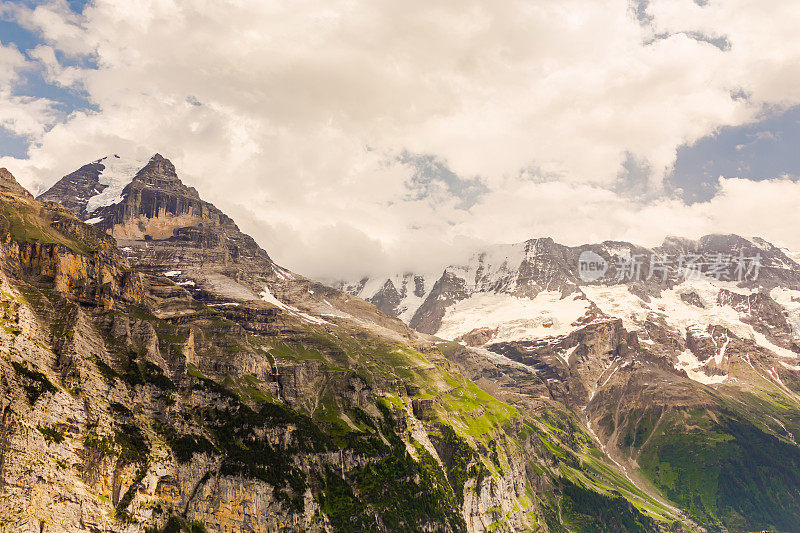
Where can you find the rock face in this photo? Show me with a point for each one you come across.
(159, 370)
(665, 351)
(49, 243)
(183, 380)
(74, 190)
(9, 184)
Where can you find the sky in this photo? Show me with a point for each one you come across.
(355, 137)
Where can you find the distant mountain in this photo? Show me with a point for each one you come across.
(517, 279)
(397, 295)
(163, 226)
(160, 372)
(664, 353)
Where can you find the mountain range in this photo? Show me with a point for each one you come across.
(160, 372)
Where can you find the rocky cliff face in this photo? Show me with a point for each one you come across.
(9, 185)
(143, 389)
(656, 357)
(176, 376)
(526, 270)
(48, 243)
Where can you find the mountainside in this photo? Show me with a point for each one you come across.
(683, 362)
(161, 373)
(538, 273)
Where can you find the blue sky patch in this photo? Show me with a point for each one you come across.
(762, 150)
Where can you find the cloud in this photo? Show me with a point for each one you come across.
(267, 108)
(432, 180)
(20, 116)
(54, 71)
(745, 207)
(54, 21)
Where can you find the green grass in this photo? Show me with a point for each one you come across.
(725, 471)
(26, 225)
(475, 411)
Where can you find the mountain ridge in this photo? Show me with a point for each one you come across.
(518, 269)
(557, 404)
(186, 405)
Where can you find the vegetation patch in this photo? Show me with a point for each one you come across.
(183, 446)
(408, 494)
(345, 510)
(51, 435)
(119, 409)
(456, 455)
(727, 474)
(34, 382)
(176, 524)
(239, 430)
(146, 372)
(582, 509)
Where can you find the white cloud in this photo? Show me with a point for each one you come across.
(54, 72)
(269, 108)
(19, 115)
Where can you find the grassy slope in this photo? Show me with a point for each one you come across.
(726, 467)
(401, 487)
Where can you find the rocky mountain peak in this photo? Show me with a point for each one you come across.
(175, 371)
(94, 185)
(144, 204)
(677, 241)
(159, 173)
(163, 226)
(9, 184)
(540, 266)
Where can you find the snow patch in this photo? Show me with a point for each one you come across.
(617, 250)
(267, 296)
(172, 273)
(282, 273)
(688, 361)
(547, 315)
(116, 174)
(566, 354)
(794, 256)
(503, 360)
(403, 283)
(790, 301)
(618, 301)
(94, 220)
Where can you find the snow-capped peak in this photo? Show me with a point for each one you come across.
(117, 173)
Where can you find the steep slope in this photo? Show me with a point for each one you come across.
(680, 371)
(504, 276)
(163, 226)
(137, 397)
